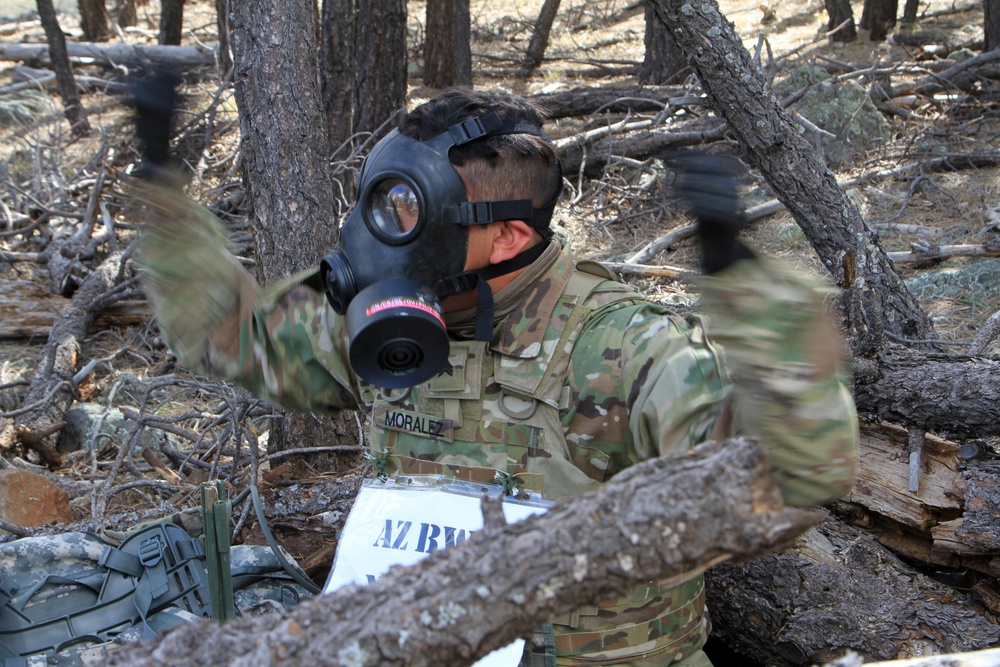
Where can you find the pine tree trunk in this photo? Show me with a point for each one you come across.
(991, 24)
(72, 106)
(171, 21)
(540, 36)
(285, 150)
(840, 11)
(879, 17)
(663, 62)
(225, 27)
(338, 58)
(94, 20)
(380, 74)
(447, 50)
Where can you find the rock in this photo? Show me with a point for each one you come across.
(85, 428)
(843, 109)
(28, 499)
(980, 278)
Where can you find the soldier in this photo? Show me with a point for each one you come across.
(452, 314)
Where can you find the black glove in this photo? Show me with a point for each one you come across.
(155, 98)
(708, 186)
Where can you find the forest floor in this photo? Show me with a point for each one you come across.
(594, 43)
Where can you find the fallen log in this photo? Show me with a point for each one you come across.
(658, 519)
(954, 396)
(28, 310)
(116, 54)
(585, 101)
(837, 588)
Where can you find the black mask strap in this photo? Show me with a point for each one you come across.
(484, 310)
(465, 282)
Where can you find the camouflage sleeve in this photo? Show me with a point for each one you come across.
(674, 382)
(278, 342)
(645, 382)
(785, 360)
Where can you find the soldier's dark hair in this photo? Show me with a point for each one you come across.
(501, 167)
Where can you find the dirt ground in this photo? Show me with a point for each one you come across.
(594, 42)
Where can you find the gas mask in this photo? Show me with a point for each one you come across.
(403, 250)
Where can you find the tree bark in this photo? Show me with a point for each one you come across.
(839, 588)
(171, 22)
(839, 11)
(953, 396)
(447, 49)
(991, 24)
(285, 149)
(739, 93)
(72, 106)
(94, 20)
(225, 27)
(125, 13)
(380, 74)
(338, 55)
(878, 17)
(540, 36)
(658, 519)
(663, 62)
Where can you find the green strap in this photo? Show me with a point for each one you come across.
(216, 511)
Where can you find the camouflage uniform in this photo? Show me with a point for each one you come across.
(583, 379)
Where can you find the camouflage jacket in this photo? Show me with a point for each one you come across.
(627, 380)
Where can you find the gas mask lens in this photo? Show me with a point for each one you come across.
(394, 208)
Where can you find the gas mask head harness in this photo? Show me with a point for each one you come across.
(403, 250)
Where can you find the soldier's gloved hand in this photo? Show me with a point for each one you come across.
(708, 185)
(155, 99)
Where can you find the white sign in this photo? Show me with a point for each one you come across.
(400, 521)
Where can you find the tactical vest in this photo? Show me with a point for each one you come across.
(495, 418)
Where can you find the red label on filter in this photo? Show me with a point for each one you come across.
(402, 302)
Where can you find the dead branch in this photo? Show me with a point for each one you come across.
(458, 605)
(627, 268)
(953, 395)
(986, 334)
(925, 250)
(672, 237)
(51, 389)
(111, 55)
(963, 75)
(588, 101)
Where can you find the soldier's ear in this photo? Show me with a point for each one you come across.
(512, 238)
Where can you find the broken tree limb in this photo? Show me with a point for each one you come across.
(116, 54)
(51, 390)
(659, 519)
